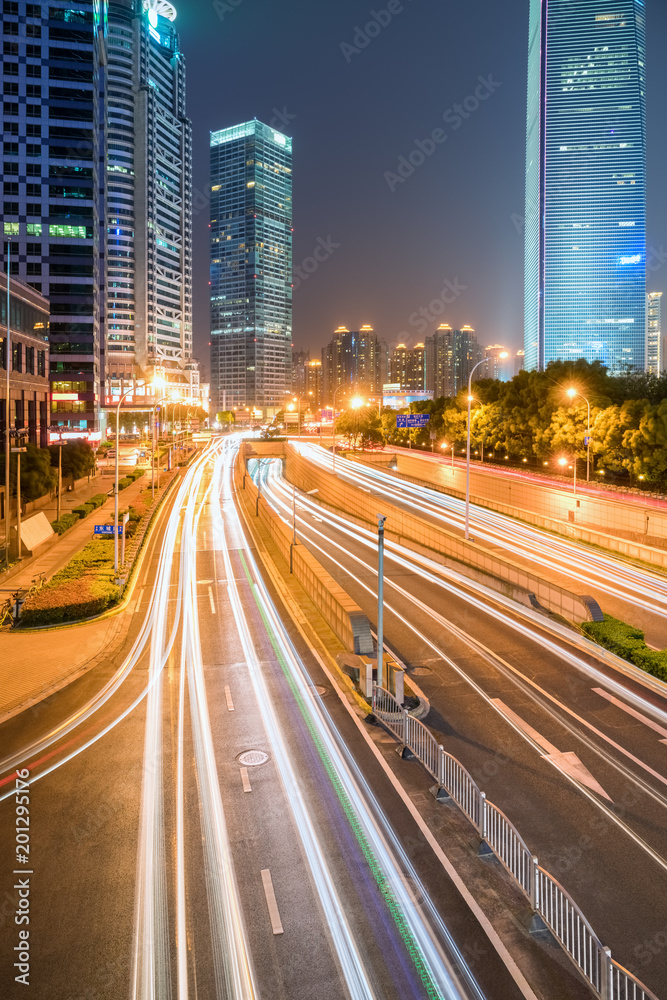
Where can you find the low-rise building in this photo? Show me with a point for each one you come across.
(29, 386)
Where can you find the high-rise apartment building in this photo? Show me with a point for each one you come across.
(53, 185)
(251, 267)
(149, 200)
(313, 386)
(407, 367)
(354, 358)
(449, 356)
(585, 238)
(655, 360)
(299, 361)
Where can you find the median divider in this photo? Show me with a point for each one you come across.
(410, 530)
(342, 615)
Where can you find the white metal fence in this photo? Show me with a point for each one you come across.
(548, 899)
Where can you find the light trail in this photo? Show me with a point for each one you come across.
(370, 826)
(528, 687)
(569, 558)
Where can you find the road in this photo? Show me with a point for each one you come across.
(509, 694)
(160, 862)
(623, 589)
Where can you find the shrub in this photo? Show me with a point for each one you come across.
(69, 601)
(84, 509)
(124, 482)
(628, 642)
(98, 499)
(64, 522)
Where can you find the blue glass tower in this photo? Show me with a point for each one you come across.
(585, 235)
(251, 268)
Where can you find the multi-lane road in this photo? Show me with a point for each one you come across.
(574, 752)
(203, 816)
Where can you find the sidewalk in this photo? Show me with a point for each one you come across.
(74, 539)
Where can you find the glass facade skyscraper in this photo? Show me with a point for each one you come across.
(53, 185)
(251, 268)
(149, 197)
(585, 233)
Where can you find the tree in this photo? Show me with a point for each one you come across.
(226, 417)
(78, 459)
(37, 476)
(362, 426)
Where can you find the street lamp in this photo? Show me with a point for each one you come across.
(467, 529)
(309, 493)
(573, 393)
(445, 445)
(128, 392)
(8, 368)
(563, 462)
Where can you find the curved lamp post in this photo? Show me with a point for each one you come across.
(573, 393)
(467, 529)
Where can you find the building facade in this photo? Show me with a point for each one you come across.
(53, 184)
(449, 357)
(313, 384)
(299, 361)
(354, 358)
(655, 359)
(251, 268)
(149, 201)
(585, 229)
(29, 383)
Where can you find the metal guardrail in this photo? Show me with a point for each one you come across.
(548, 899)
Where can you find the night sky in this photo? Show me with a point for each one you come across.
(456, 218)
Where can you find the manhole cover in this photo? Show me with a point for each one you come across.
(252, 758)
(421, 671)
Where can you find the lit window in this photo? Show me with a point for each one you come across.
(74, 232)
(34, 229)
(11, 228)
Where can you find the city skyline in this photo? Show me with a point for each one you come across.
(460, 215)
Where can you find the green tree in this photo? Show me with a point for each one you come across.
(362, 426)
(78, 459)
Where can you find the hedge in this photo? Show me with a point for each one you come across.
(64, 522)
(628, 642)
(83, 588)
(84, 509)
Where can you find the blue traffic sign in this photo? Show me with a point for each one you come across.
(406, 420)
(587, 441)
(107, 529)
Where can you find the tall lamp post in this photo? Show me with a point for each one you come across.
(341, 386)
(128, 392)
(445, 445)
(467, 530)
(563, 462)
(380, 634)
(8, 368)
(573, 393)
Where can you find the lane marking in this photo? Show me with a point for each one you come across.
(564, 760)
(204, 582)
(139, 599)
(228, 696)
(212, 602)
(245, 780)
(274, 913)
(633, 712)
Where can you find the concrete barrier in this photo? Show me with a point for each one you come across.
(344, 617)
(445, 479)
(470, 559)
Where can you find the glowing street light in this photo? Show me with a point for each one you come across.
(445, 445)
(573, 393)
(470, 399)
(563, 462)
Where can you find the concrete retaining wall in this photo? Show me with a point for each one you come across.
(343, 616)
(541, 499)
(409, 529)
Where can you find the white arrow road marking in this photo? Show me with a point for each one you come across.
(565, 761)
(274, 913)
(631, 711)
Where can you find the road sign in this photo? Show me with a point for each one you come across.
(107, 529)
(587, 441)
(406, 420)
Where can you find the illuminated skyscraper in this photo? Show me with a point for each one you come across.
(655, 361)
(251, 267)
(149, 199)
(585, 239)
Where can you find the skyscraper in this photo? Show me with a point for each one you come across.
(251, 267)
(354, 358)
(149, 198)
(449, 356)
(655, 361)
(53, 178)
(585, 239)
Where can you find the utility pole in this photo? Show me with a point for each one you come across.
(380, 630)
